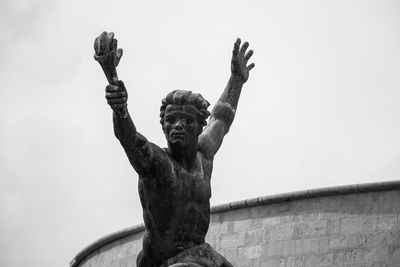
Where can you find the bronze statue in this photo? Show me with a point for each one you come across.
(174, 182)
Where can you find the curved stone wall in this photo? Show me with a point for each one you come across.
(357, 225)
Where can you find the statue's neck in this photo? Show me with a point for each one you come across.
(185, 156)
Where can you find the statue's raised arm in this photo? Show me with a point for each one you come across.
(135, 145)
(224, 110)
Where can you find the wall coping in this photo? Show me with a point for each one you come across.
(252, 202)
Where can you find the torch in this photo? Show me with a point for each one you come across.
(108, 56)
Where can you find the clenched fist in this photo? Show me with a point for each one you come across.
(117, 97)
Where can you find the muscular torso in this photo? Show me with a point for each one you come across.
(176, 207)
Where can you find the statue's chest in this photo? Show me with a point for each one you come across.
(191, 185)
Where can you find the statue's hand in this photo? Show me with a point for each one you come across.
(117, 97)
(239, 61)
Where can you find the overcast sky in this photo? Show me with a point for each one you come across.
(321, 107)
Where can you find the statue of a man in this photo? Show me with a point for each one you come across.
(174, 182)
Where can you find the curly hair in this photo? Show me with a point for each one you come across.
(183, 97)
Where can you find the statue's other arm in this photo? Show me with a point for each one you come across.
(224, 110)
(136, 146)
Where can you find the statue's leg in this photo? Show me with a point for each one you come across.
(142, 261)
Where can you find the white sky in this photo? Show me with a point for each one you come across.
(321, 107)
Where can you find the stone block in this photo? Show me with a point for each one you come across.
(311, 229)
(294, 261)
(395, 255)
(331, 201)
(389, 197)
(283, 231)
(254, 237)
(376, 254)
(257, 223)
(273, 249)
(323, 244)
(352, 256)
(335, 212)
(392, 239)
(386, 222)
(375, 239)
(305, 217)
(287, 218)
(303, 206)
(260, 212)
(289, 247)
(235, 215)
(310, 245)
(251, 252)
(358, 224)
(219, 228)
(127, 262)
(333, 227)
(396, 208)
(357, 240)
(114, 264)
(368, 209)
(244, 225)
(232, 240)
(337, 242)
(338, 259)
(385, 208)
(273, 262)
(320, 260)
(249, 263)
(270, 221)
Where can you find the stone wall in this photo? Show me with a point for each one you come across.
(355, 226)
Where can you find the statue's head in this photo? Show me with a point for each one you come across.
(183, 115)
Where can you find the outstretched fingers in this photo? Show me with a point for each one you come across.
(244, 47)
(249, 54)
(236, 47)
(249, 67)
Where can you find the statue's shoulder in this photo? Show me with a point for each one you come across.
(159, 164)
(206, 158)
(160, 155)
(155, 147)
(158, 152)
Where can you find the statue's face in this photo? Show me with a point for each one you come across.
(181, 126)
